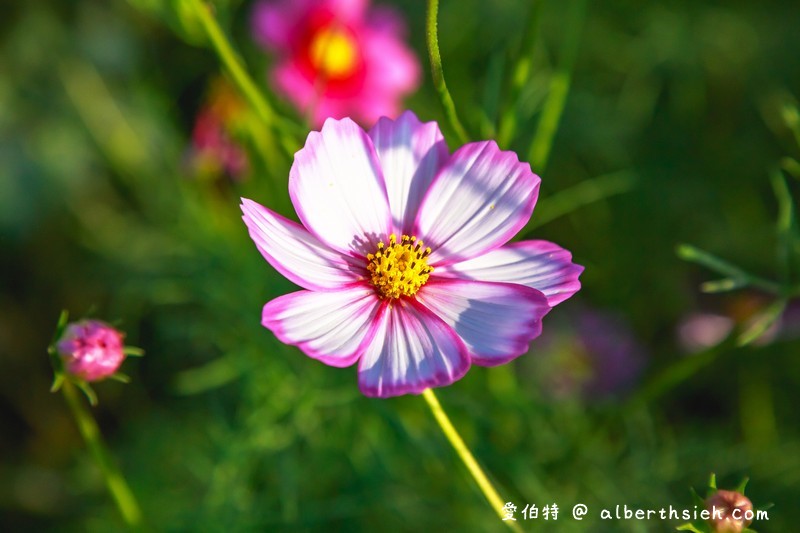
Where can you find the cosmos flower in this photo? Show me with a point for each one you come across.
(90, 350)
(403, 255)
(337, 58)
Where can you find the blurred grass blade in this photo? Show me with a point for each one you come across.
(559, 88)
(117, 485)
(104, 119)
(491, 95)
(212, 375)
(521, 74)
(786, 225)
(584, 193)
(692, 254)
(791, 117)
(235, 67)
(791, 166)
(762, 323)
(432, 33)
(722, 285)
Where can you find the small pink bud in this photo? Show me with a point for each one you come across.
(91, 350)
(731, 512)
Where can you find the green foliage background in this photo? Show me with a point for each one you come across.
(225, 429)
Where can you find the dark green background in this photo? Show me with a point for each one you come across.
(98, 215)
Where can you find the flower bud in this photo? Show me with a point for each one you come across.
(91, 350)
(731, 512)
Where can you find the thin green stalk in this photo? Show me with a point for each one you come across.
(739, 277)
(236, 69)
(117, 486)
(559, 88)
(466, 456)
(438, 74)
(786, 227)
(521, 75)
(584, 193)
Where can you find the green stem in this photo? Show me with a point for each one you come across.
(438, 74)
(740, 277)
(786, 227)
(522, 73)
(559, 88)
(117, 486)
(235, 68)
(466, 456)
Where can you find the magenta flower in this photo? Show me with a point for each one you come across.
(337, 58)
(403, 257)
(91, 350)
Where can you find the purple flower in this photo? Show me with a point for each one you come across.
(403, 255)
(337, 58)
(595, 357)
(91, 350)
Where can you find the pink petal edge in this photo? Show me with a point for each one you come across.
(351, 315)
(538, 264)
(296, 253)
(496, 321)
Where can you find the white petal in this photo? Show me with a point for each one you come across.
(338, 190)
(330, 326)
(411, 154)
(297, 254)
(412, 350)
(496, 321)
(541, 265)
(478, 201)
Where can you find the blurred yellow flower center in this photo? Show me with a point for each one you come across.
(334, 52)
(400, 268)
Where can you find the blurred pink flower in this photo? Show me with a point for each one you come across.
(337, 58)
(699, 331)
(214, 151)
(91, 350)
(412, 315)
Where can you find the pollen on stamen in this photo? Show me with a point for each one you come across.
(400, 268)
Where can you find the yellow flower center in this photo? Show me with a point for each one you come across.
(334, 53)
(400, 268)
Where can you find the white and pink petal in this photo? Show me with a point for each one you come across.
(541, 265)
(333, 327)
(412, 350)
(410, 153)
(297, 254)
(496, 321)
(337, 188)
(480, 199)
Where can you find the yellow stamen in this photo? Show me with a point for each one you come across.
(334, 53)
(400, 268)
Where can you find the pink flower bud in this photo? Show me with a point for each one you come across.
(731, 512)
(91, 350)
